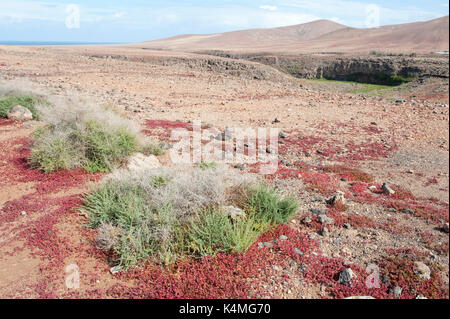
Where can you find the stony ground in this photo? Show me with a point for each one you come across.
(333, 141)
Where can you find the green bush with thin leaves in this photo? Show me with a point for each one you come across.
(169, 214)
(82, 135)
(266, 205)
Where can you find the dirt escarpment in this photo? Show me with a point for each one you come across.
(342, 67)
(216, 65)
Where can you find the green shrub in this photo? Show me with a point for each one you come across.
(95, 147)
(209, 232)
(104, 147)
(53, 153)
(9, 101)
(84, 136)
(212, 231)
(266, 205)
(168, 214)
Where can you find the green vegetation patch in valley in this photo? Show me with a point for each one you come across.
(354, 87)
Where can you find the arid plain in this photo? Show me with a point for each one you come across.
(336, 137)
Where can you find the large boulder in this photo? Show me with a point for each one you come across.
(19, 113)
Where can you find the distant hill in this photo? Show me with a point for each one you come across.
(318, 36)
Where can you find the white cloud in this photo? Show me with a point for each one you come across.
(270, 8)
(353, 12)
(120, 14)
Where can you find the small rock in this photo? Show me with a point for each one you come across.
(307, 220)
(316, 211)
(346, 277)
(338, 198)
(283, 237)
(422, 270)
(298, 251)
(324, 219)
(165, 145)
(385, 279)
(276, 268)
(115, 269)
(234, 212)
(347, 226)
(23, 213)
(445, 228)
(268, 244)
(397, 291)
(408, 211)
(283, 135)
(387, 190)
(421, 297)
(302, 267)
(19, 113)
(277, 120)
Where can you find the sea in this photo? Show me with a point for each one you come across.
(39, 43)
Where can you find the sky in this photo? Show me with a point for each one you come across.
(139, 20)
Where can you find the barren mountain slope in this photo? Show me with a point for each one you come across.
(319, 36)
(255, 38)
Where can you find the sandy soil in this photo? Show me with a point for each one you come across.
(404, 144)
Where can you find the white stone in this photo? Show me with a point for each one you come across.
(234, 212)
(142, 162)
(19, 113)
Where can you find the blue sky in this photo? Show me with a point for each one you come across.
(139, 20)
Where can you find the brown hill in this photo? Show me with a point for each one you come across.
(245, 39)
(319, 36)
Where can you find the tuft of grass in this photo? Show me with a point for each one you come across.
(267, 206)
(7, 102)
(212, 231)
(104, 147)
(53, 152)
(83, 136)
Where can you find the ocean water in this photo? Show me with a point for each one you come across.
(38, 43)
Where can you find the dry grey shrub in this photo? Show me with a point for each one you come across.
(187, 189)
(72, 112)
(20, 87)
(81, 133)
